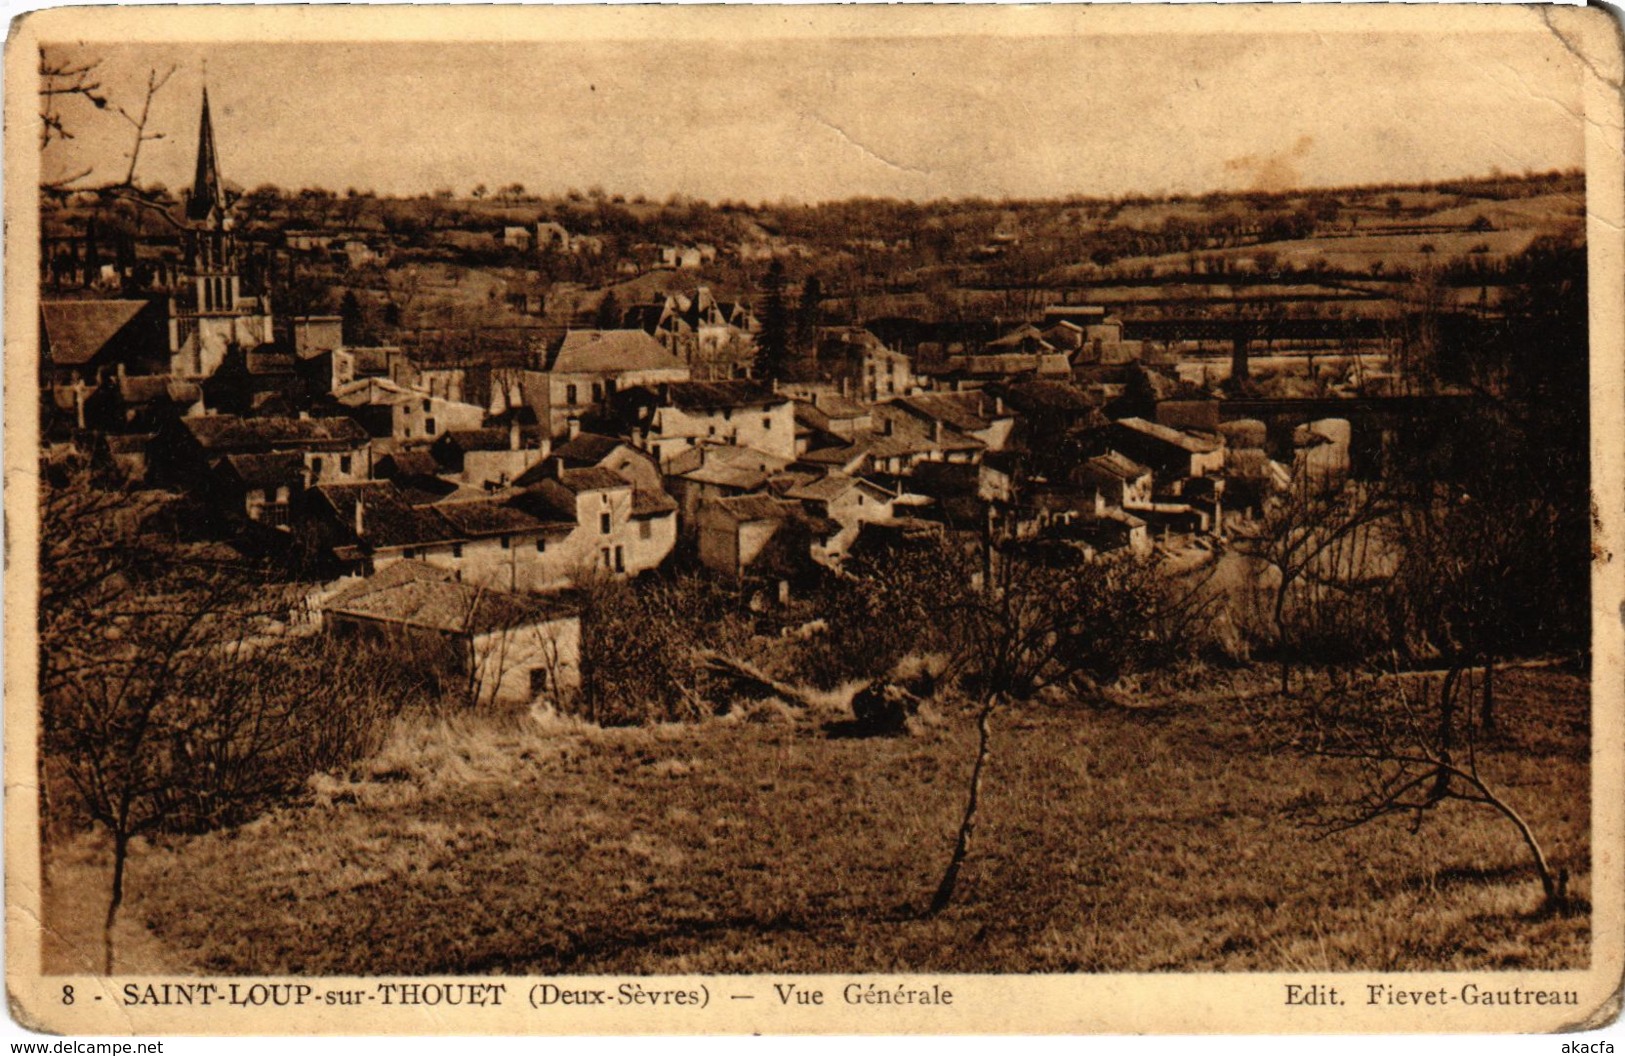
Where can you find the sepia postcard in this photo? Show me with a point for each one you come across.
(814, 520)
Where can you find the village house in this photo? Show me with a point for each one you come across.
(586, 368)
(266, 490)
(859, 364)
(898, 442)
(490, 456)
(971, 414)
(511, 649)
(743, 413)
(516, 237)
(716, 339)
(367, 526)
(584, 450)
(1120, 482)
(762, 535)
(83, 343)
(388, 411)
(607, 525)
(1172, 454)
(332, 449)
(717, 471)
(846, 501)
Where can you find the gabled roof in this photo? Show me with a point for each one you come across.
(274, 470)
(1187, 441)
(416, 463)
(587, 449)
(718, 395)
(414, 594)
(592, 478)
(611, 352)
(77, 331)
(830, 487)
(950, 410)
(372, 391)
(647, 503)
(1115, 466)
(489, 439)
(227, 432)
(475, 519)
(387, 520)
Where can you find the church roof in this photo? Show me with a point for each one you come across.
(208, 192)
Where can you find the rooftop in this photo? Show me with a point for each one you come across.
(610, 352)
(1187, 441)
(78, 330)
(717, 395)
(227, 432)
(415, 595)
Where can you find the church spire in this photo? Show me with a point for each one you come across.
(208, 193)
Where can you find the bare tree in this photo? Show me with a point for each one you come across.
(62, 79)
(1408, 765)
(1015, 618)
(1316, 535)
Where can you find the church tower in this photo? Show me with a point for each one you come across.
(212, 247)
(211, 316)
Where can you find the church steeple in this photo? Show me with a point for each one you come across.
(208, 193)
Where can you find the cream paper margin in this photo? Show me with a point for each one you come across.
(1039, 1004)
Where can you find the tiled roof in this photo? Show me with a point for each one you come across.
(387, 519)
(1047, 396)
(227, 432)
(950, 410)
(610, 352)
(1117, 466)
(1193, 444)
(647, 503)
(717, 395)
(587, 449)
(487, 518)
(416, 595)
(258, 471)
(78, 330)
(490, 439)
(417, 463)
(592, 478)
(744, 508)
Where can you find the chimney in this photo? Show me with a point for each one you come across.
(998, 406)
(558, 468)
(513, 435)
(360, 516)
(545, 448)
(304, 416)
(936, 431)
(573, 428)
(121, 373)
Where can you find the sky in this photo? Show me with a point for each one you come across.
(826, 116)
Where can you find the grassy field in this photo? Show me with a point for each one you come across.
(1148, 835)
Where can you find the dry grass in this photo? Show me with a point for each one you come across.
(1149, 835)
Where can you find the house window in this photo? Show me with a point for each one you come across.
(606, 558)
(506, 542)
(540, 681)
(427, 407)
(620, 561)
(541, 545)
(597, 391)
(456, 549)
(603, 524)
(316, 468)
(570, 394)
(645, 530)
(409, 553)
(428, 426)
(344, 464)
(767, 423)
